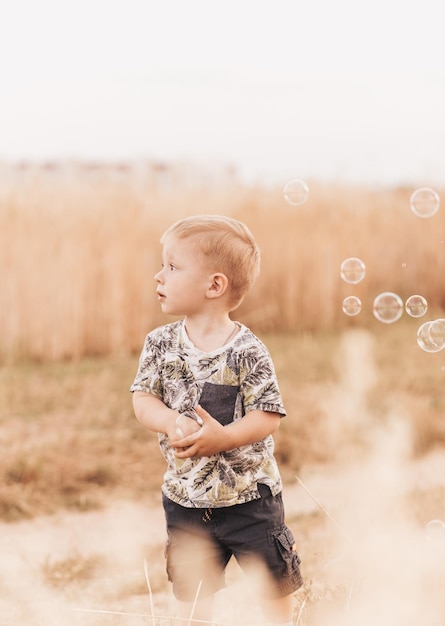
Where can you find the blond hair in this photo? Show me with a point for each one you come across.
(227, 244)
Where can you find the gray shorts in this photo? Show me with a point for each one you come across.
(201, 542)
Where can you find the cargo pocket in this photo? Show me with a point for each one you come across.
(285, 543)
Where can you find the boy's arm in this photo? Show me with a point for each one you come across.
(213, 437)
(154, 414)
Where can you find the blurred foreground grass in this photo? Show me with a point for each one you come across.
(70, 439)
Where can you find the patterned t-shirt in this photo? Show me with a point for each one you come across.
(228, 382)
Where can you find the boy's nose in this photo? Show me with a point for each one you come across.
(159, 276)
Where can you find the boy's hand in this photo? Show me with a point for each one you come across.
(206, 440)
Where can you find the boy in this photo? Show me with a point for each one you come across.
(207, 386)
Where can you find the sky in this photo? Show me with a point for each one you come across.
(344, 91)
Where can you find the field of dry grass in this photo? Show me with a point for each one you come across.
(78, 257)
(79, 478)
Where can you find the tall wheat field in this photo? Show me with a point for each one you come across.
(79, 251)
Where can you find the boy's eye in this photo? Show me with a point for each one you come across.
(169, 266)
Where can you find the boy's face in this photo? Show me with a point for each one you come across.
(183, 280)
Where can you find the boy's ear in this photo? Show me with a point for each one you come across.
(218, 285)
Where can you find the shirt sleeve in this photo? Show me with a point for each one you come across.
(259, 385)
(148, 378)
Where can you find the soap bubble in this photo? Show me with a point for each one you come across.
(424, 339)
(416, 306)
(425, 202)
(435, 530)
(296, 192)
(387, 307)
(437, 332)
(351, 305)
(352, 270)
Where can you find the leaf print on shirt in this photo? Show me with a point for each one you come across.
(241, 463)
(177, 370)
(207, 363)
(206, 474)
(226, 474)
(259, 373)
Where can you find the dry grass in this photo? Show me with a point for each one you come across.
(70, 437)
(78, 256)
